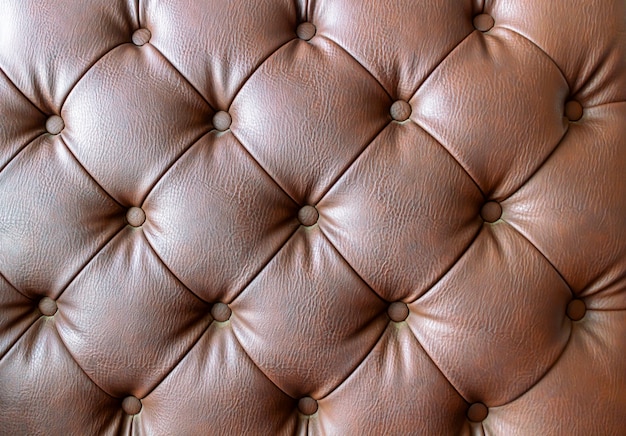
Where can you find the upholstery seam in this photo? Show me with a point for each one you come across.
(523, 236)
(89, 175)
(181, 75)
(526, 38)
(351, 163)
(10, 81)
(171, 165)
(451, 155)
(14, 287)
(20, 149)
(351, 56)
(10, 347)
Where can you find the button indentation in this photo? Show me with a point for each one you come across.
(576, 309)
(400, 110)
(491, 211)
(141, 37)
(477, 412)
(222, 121)
(54, 125)
(131, 405)
(308, 215)
(221, 312)
(573, 110)
(483, 22)
(306, 31)
(47, 306)
(398, 311)
(135, 216)
(307, 405)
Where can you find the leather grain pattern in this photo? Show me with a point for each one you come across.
(313, 217)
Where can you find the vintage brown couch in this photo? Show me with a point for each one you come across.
(342, 217)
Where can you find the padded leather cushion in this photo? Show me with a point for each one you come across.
(313, 217)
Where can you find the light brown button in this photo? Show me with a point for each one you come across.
(398, 311)
(573, 110)
(308, 215)
(221, 312)
(576, 309)
(141, 37)
(491, 211)
(222, 121)
(483, 22)
(477, 412)
(135, 216)
(54, 125)
(400, 110)
(306, 31)
(131, 405)
(47, 306)
(307, 405)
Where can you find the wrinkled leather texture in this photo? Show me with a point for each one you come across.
(313, 217)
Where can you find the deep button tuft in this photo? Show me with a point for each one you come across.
(576, 309)
(477, 412)
(491, 211)
(398, 311)
(573, 110)
(400, 110)
(306, 31)
(55, 124)
(131, 405)
(221, 312)
(308, 215)
(47, 306)
(222, 121)
(307, 405)
(483, 22)
(135, 216)
(141, 37)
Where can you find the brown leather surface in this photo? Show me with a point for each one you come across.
(313, 217)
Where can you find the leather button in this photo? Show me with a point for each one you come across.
(306, 31)
(141, 37)
(398, 311)
(222, 121)
(54, 125)
(477, 412)
(308, 215)
(400, 110)
(135, 216)
(573, 110)
(221, 312)
(576, 309)
(491, 211)
(307, 405)
(483, 22)
(47, 306)
(131, 405)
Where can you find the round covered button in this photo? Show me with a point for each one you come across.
(477, 412)
(54, 125)
(573, 110)
(576, 309)
(135, 216)
(400, 110)
(398, 311)
(491, 211)
(222, 121)
(308, 215)
(141, 37)
(131, 405)
(483, 22)
(306, 31)
(307, 405)
(221, 312)
(47, 306)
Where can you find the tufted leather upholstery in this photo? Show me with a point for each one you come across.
(313, 217)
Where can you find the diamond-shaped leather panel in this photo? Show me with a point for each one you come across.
(313, 217)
